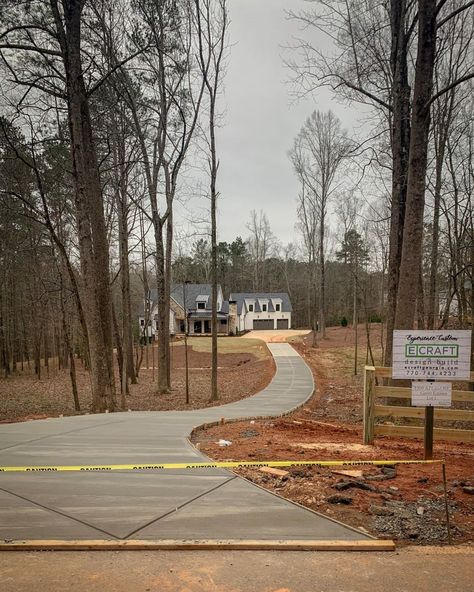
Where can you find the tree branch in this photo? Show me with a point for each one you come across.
(365, 93)
(450, 87)
(116, 67)
(41, 50)
(454, 13)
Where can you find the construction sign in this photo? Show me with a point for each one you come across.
(431, 355)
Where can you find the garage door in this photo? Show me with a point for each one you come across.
(282, 323)
(263, 324)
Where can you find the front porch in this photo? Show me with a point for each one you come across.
(200, 324)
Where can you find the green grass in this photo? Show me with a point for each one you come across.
(230, 345)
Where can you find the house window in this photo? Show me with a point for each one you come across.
(277, 307)
(201, 305)
(223, 321)
(142, 322)
(264, 308)
(250, 307)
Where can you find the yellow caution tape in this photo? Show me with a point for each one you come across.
(217, 465)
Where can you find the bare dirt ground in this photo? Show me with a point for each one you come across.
(413, 569)
(405, 503)
(245, 367)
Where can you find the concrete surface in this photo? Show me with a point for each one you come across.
(420, 569)
(192, 504)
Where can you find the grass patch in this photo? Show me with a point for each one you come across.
(230, 345)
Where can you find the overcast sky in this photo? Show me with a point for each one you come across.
(262, 119)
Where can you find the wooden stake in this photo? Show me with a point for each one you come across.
(369, 404)
(152, 362)
(446, 505)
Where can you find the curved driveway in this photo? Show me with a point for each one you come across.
(180, 505)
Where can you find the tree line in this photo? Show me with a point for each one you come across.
(102, 105)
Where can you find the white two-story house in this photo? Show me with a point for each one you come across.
(262, 311)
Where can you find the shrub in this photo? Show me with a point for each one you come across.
(344, 322)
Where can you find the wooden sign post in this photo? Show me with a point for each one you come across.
(426, 357)
(430, 394)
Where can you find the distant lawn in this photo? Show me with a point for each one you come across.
(229, 345)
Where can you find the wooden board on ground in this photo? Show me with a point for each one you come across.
(272, 471)
(209, 545)
(350, 473)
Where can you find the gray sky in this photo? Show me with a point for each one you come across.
(262, 119)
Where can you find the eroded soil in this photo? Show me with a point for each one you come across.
(405, 503)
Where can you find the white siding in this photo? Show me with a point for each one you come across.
(246, 319)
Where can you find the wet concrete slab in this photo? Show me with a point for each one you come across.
(209, 503)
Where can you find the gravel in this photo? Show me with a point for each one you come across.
(423, 521)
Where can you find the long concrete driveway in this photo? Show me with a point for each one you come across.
(179, 505)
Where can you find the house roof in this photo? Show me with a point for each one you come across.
(194, 293)
(240, 298)
(205, 315)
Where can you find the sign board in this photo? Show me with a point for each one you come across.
(431, 394)
(435, 355)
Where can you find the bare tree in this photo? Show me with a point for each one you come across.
(163, 97)
(372, 65)
(455, 51)
(211, 21)
(317, 154)
(308, 219)
(260, 244)
(430, 19)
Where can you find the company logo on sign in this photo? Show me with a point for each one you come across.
(431, 351)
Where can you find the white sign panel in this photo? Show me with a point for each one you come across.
(431, 394)
(439, 355)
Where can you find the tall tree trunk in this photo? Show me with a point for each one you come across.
(355, 317)
(214, 392)
(322, 281)
(400, 139)
(415, 203)
(163, 311)
(69, 350)
(440, 149)
(168, 270)
(120, 360)
(93, 245)
(122, 209)
(420, 301)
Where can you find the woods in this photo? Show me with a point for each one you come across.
(110, 120)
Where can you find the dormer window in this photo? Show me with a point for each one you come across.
(201, 302)
(264, 308)
(250, 307)
(278, 307)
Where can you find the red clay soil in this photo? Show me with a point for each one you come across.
(23, 397)
(405, 504)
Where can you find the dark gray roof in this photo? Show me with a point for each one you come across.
(241, 297)
(205, 314)
(194, 293)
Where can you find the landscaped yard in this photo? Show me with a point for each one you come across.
(245, 367)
